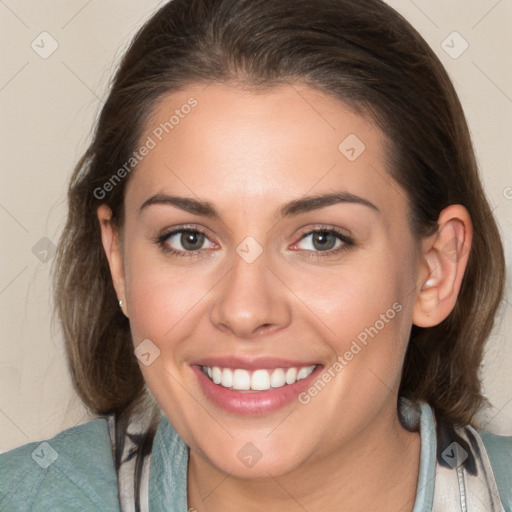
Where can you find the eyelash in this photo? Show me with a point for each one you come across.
(161, 242)
(347, 244)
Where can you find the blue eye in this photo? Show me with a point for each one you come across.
(329, 241)
(181, 241)
(321, 241)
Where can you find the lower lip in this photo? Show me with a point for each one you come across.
(250, 403)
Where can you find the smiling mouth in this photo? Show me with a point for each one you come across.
(238, 379)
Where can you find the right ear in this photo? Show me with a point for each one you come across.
(112, 246)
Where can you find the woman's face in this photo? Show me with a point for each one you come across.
(263, 240)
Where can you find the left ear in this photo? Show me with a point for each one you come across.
(443, 262)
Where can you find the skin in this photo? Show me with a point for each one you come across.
(248, 154)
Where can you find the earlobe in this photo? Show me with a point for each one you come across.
(113, 251)
(443, 262)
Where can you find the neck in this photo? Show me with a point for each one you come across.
(377, 470)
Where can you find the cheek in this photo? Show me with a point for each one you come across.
(364, 313)
(161, 298)
(352, 297)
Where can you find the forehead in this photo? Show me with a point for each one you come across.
(230, 145)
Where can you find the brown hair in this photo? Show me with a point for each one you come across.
(365, 55)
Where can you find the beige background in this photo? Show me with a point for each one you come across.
(48, 106)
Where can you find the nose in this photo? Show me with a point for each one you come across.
(250, 300)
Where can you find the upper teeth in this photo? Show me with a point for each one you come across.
(259, 380)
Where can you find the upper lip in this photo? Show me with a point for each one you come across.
(253, 363)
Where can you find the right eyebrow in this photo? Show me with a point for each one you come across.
(188, 204)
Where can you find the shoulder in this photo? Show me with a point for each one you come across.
(463, 463)
(72, 471)
(499, 452)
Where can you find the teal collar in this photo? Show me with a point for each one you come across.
(168, 471)
(169, 464)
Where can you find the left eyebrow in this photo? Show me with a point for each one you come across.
(310, 203)
(290, 209)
